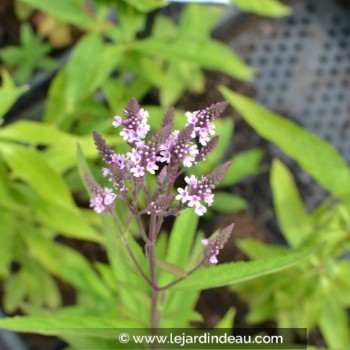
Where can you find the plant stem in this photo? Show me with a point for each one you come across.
(141, 229)
(152, 260)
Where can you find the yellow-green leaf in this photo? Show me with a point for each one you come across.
(9, 93)
(231, 273)
(291, 213)
(271, 8)
(314, 155)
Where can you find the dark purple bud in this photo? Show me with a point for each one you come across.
(132, 108)
(217, 175)
(161, 136)
(185, 135)
(206, 150)
(224, 235)
(161, 205)
(213, 247)
(216, 109)
(105, 151)
(168, 118)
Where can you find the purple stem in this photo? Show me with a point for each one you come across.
(152, 261)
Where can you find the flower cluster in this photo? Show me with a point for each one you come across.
(201, 190)
(164, 152)
(102, 198)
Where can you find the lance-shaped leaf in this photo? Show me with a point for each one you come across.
(9, 93)
(291, 213)
(314, 155)
(246, 163)
(65, 10)
(334, 324)
(180, 241)
(32, 168)
(87, 326)
(231, 273)
(271, 8)
(213, 54)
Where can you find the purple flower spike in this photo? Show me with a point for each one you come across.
(203, 121)
(136, 125)
(165, 152)
(212, 248)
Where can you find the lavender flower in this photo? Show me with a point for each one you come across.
(202, 121)
(135, 124)
(201, 190)
(102, 198)
(166, 151)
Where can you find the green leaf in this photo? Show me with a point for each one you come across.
(314, 155)
(197, 21)
(181, 238)
(70, 11)
(8, 199)
(12, 55)
(291, 213)
(179, 77)
(161, 245)
(9, 93)
(225, 128)
(244, 164)
(7, 238)
(69, 223)
(271, 8)
(256, 249)
(33, 51)
(213, 54)
(106, 273)
(236, 272)
(83, 277)
(15, 290)
(227, 320)
(96, 342)
(35, 133)
(81, 68)
(171, 268)
(83, 167)
(29, 166)
(56, 109)
(87, 326)
(228, 203)
(131, 22)
(334, 324)
(124, 270)
(62, 157)
(146, 5)
(45, 288)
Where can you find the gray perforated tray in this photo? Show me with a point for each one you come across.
(304, 71)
